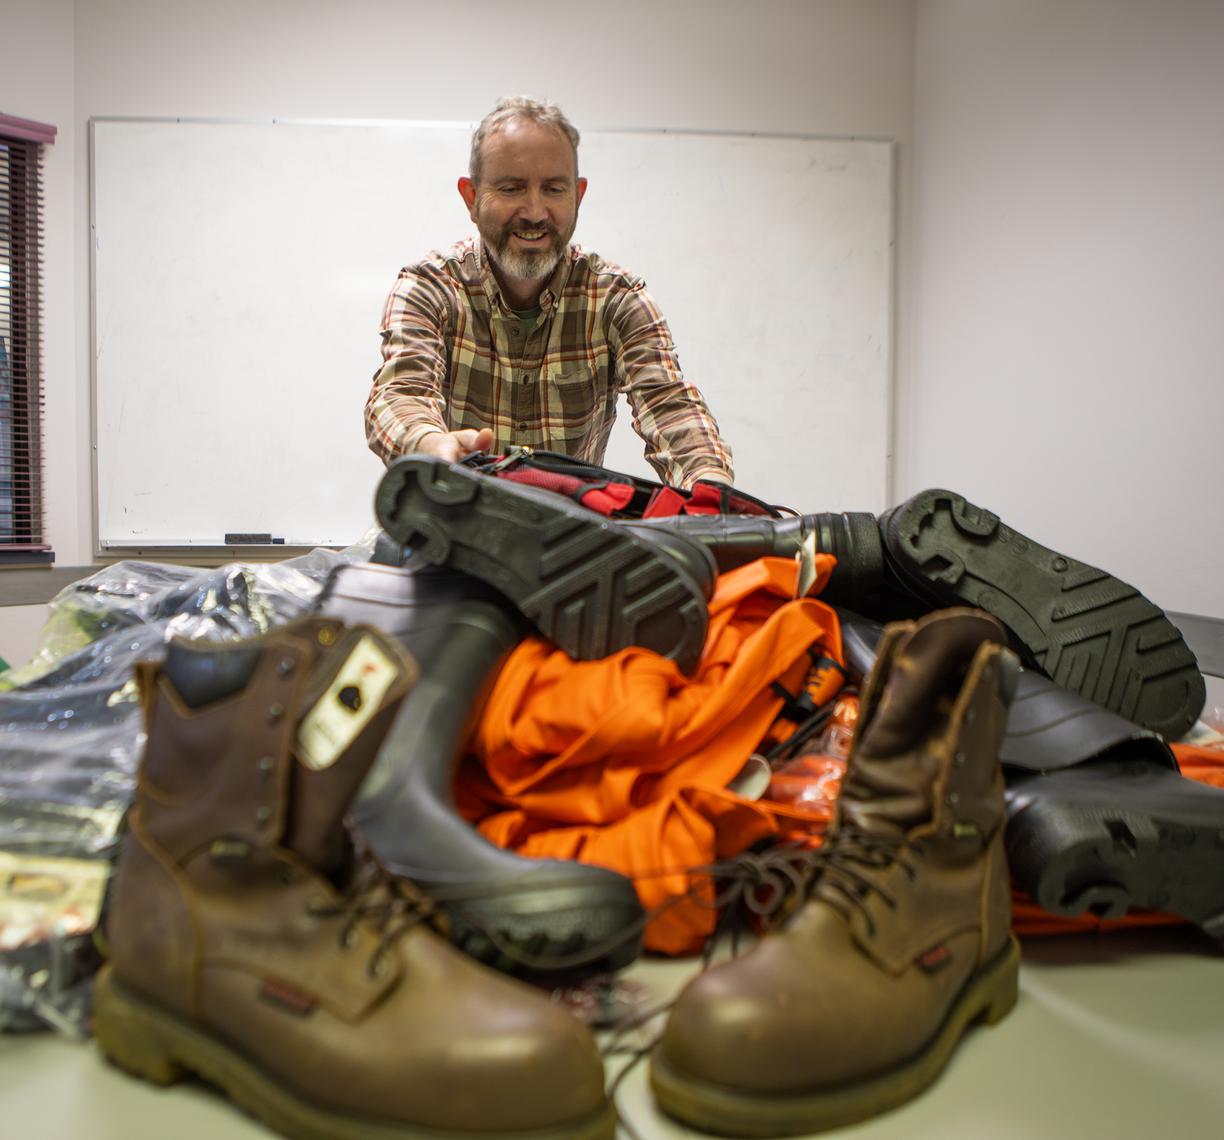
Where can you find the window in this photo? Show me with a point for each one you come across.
(22, 519)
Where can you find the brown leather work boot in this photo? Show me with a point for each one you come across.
(904, 939)
(252, 943)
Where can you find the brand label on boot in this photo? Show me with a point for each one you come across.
(935, 959)
(353, 697)
(290, 997)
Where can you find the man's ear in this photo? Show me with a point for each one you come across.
(582, 183)
(467, 191)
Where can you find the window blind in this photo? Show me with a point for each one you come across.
(23, 536)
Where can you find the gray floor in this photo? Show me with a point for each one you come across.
(1118, 1036)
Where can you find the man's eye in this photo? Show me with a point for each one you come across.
(509, 189)
(554, 190)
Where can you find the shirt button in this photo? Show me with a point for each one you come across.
(522, 426)
(525, 378)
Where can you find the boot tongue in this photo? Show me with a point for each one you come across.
(889, 781)
(355, 686)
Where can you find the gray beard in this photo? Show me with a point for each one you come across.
(529, 266)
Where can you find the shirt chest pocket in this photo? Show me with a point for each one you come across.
(572, 400)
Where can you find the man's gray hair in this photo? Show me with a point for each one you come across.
(519, 107)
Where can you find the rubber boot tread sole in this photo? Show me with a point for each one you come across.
(588, 585)
(1083, 628)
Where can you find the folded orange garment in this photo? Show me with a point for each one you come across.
(625, 762)
(1206, 765)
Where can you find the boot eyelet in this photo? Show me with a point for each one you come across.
(378, 967)
(958, 761)
(265, 764)
(285, 666)
(953, 799)
(263, 814)
(276, 711)
(348, 939)
(968, 716)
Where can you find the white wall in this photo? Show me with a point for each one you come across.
(1067, 364)
(828, 67)
(823, 67)
(1066, 168)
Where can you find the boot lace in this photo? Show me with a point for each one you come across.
(850, 866)
(375, 898)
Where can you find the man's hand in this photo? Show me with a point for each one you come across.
(452, 446)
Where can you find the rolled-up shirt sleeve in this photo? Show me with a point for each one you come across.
(408, 397)
(683, 443)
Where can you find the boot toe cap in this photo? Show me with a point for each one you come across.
(729, 1031)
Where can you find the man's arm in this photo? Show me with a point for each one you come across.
(406, 408)
(683, 443)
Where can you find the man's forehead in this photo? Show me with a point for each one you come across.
(521, 147)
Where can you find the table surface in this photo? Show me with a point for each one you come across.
(1117, 1036)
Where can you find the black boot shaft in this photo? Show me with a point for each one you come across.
(851, 537)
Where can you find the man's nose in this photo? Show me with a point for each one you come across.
(532, 208)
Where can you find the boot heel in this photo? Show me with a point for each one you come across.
(447, 485)
(1003, 989)
(128, 1036)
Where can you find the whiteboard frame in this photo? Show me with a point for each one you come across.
(212, 551)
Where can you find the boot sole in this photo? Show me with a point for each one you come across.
(988, 998)
(590, 586)
(544, 923)
(1083, 628)
(1102, 848)
(148, 1042)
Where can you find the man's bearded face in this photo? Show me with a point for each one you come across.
(526, 204)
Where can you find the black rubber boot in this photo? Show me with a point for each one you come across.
(523, 916)
(734, 540)
(1048, 727)
(1118, 833)
(586, 583)
(1088, 631)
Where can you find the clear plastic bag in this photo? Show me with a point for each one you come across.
(70, 741)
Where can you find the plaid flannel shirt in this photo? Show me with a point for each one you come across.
(455, 356)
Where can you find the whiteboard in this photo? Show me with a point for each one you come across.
(239, 272)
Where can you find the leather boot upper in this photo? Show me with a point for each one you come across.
(911, 896)
(241, 906)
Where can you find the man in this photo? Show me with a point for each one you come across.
(520, 337)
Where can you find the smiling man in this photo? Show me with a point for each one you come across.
(520, 337)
